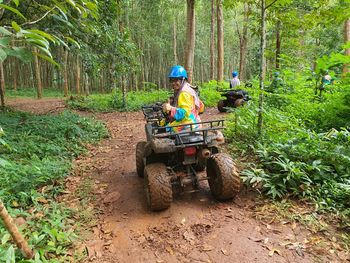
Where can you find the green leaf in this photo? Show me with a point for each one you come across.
(3, 55)
(14, 10)
(47, 58)
(15, 26)
(5, 41)
(4, 31)
(21, 53)
(16, 2)
(44, 34)
(5, 238)
(10, 255)
(73, 41)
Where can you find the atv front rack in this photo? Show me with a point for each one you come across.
(154, 112)
(191, 135)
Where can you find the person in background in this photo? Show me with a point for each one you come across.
(234, 82)
(186, 105)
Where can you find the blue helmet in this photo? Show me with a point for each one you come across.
(276, 74)
(234, 73)
(177, 72)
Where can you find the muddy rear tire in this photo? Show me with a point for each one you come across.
(221, 106)
(224, 180)
(238, 103)
(158, 186)
(140, 152)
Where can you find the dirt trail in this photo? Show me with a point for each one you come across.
(194, 229)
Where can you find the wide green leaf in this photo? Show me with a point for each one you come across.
(5, 41)
(14, 10)
(4, 31)
(3, 55)
(22, 53)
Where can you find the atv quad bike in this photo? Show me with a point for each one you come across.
(233, 99)
(169, 160)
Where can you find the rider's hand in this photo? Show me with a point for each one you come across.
(166, 107)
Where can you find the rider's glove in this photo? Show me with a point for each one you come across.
(166, 107)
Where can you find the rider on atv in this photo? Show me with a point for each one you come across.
(186, 105)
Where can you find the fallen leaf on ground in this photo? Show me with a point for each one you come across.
(273, 251)
(224, 251)
(111, 197)
(255, 239)
(95, 248)
(206, 247)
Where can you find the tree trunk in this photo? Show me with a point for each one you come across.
(212, 41)
(190, 39)
(86, 86)
(346, 67)
(39, 87)
(175, 41)
(65, 87)
(13, 230)
(243, 43)
(77, 83)
(2, 85)
(220, 21)
(278, 44)
(262, 66)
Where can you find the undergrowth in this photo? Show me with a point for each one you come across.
(35, 152)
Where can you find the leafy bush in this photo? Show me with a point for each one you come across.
(114, 101)
(36, 151)
(304, 149)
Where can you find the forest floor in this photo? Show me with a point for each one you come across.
(119, 227)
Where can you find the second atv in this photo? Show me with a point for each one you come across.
(233, 99)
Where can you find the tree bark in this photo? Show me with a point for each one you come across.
(212, 41)
(16, 235)
(346, 67)
(39, 87)
(220, 28)
(2, 85)
(278, 44)
(175, 41)
(262, 66)
(243, 41)
(77, 82)
(190, 39)
(65, 87)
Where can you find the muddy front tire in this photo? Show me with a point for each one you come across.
(224, 180)
(221, 106)
(140, 152)
(158, 186)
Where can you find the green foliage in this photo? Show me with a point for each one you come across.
(304, 150)
(113, 101)
(32, 93)
(209, 94)
(37, 151)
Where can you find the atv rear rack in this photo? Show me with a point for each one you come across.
(191, 135)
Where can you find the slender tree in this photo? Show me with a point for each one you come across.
(346, 68)
(212, 41)
(220, 30)
(262, 65)
(2, 85)
(190, 39)
(39, 87)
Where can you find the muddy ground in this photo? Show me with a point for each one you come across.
(194, 229)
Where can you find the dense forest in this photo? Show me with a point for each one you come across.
(291, 141)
